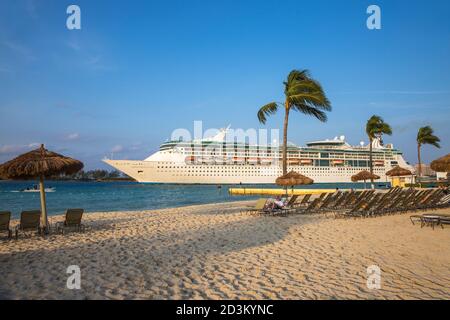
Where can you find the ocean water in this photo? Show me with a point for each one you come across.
(119, 196)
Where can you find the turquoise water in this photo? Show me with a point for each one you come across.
(116, 196)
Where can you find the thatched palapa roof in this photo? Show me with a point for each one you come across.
(39, 162)
(364, 175)
(292, 179)
(442, 164)
(398, 171)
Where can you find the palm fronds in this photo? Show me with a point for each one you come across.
(425, 135)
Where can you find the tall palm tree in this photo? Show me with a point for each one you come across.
(425, 135)
(302, 93)
(375, 127)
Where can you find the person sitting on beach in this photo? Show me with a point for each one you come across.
(274, 204)
(278, 203)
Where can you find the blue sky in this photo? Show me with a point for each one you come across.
(137, 70)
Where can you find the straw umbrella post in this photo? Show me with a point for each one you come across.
(292, 179)
(442, 164)
(39, 163)
(399, 172)
(364, 175)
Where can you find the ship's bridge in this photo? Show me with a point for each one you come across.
(336, 143)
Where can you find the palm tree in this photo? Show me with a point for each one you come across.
(375, 127)
(425, 136)
(302, 93)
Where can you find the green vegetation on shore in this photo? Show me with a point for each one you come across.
(93, 175)
(96, 175)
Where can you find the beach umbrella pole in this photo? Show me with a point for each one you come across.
(44, 220)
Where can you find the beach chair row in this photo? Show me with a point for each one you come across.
(395, 201)
(306, 204)
(367, 203)
(30, 221)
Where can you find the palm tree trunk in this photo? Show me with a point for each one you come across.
(285, 128)
(370, 162)
(420, 163)
(44, 219)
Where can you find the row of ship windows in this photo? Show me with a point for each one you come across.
(248, 175)
(251, 155)
(252, 172)
(193, 169)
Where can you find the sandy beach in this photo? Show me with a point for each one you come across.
(215, 252)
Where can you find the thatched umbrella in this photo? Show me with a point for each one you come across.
(39, 163)
(398, 171)
(442, 164)
(364, 175)
(292, 179)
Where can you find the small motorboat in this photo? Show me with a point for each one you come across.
(36, 189)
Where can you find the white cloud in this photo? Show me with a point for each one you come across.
(73, 45)
(136, 146)
(73, 136)
(117, 148)
(11, 149)
(19, 49)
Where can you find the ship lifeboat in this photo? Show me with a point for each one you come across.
(189, 159)
(266, 161)
(238, 159)
(228, 160)
(337, 162)
(198, 160)
(294, 161)
(219, 160)
(209, 160)
(306, 161)
(379, 163)
(252, 160)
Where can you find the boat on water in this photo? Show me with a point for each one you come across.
(214, 160)
(36, 189)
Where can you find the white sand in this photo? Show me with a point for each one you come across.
(214, 252)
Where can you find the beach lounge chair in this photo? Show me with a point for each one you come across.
(292, 200)
(311, 208)
(397, 202)
(339, 202)
(71, 221)
(421, 199)
(431, 220)
(352, 199)
(386, 203)
(29, 221)
(290, 205)
(444, 220)
(444, 201)
(304, 200)
(257, 207)
(435, 201)
(326, 203)
(361, 209)
(5, 219)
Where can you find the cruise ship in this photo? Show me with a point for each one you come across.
(216, 161)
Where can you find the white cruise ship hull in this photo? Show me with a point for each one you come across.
(171, 172)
